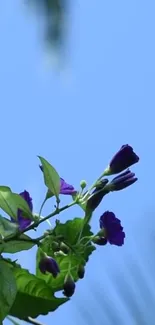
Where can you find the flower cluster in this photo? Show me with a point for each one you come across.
(111, 230)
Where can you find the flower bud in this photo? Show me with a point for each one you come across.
(55, 246)
(97, 196)
(81, 272)
(83, 184)
(59, 253)
(69, 286)
(101, 241)
(123, 159)
(48, 264)
(64, 248)
(101, 233)
(122, 181)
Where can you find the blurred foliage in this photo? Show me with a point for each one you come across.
(53, 14)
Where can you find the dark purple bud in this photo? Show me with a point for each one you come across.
(69, 286)
(123, 159)
(81, 272)
(22, 221)
(65, 188)
(101, 241)
(113, 229)
(122, 181)
(97, 196)
(48, 264)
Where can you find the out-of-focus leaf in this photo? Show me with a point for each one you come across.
(8, 289)
(34, 297)
(14, 246)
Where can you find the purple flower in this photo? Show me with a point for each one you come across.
(122, 181)
(113, 230)
(65, 188)
(24, 222)
(48, 264)
(123, 159)
(69, 286)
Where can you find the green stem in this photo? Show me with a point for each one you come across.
(42, 207)
(86, 237)
(92, 186)
(36, 224)
(57, 211)
(32, 321)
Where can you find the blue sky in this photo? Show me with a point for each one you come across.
(77, 118)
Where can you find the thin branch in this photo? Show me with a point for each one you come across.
(57, 211)
(36, 224)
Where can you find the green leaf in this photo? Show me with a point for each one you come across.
(17, 245)
(71, 230)
(51, 177)
(7, 204)
(10, 202)
(8, 289)
(11, 263)
(49, 194)
(5, 188)
(22, 205)
(7, 227)
(34, 297)
(77, 256)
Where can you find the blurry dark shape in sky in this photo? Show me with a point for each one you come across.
(53, 13)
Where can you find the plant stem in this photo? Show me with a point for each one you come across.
(42, 207)
(57, 211)
(36, 224)
(32, 321)
(91, 187)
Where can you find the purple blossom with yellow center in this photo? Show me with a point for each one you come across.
(65, 188)
(49, 264)
(22, 221)
(113, 229)
(123, 159)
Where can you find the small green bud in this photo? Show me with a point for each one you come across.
(101, 241)
(59, 253)
(35, 218)
(83, 184)
(55, 246)
(64, 248)
(101, 233)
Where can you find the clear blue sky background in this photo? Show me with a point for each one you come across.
(78, 119)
